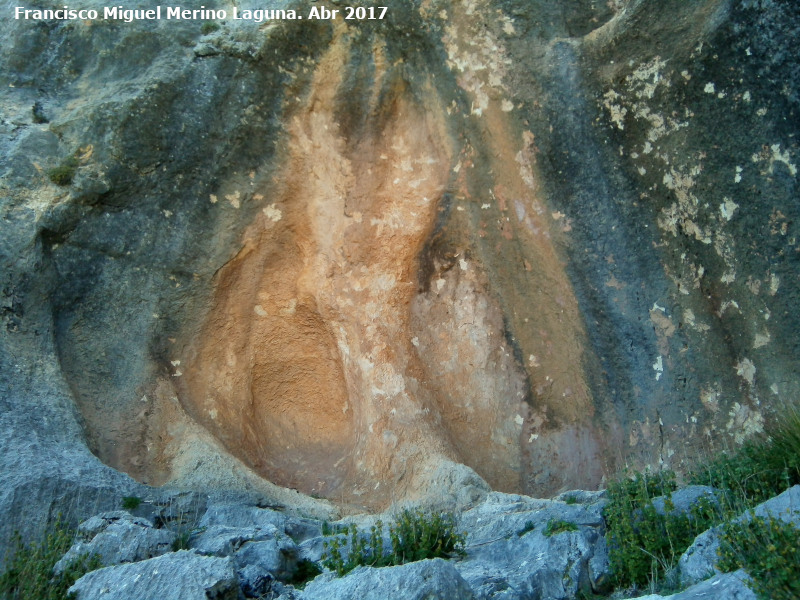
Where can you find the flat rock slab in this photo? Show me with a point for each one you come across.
(434, 579)
(117, 537)
(178, 576)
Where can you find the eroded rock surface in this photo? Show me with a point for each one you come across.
(482, 242)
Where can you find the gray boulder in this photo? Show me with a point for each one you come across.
(222, 540)
(244, 516)
(509, 555)
(700, 559)
(118, 537)
(685, 498)
(278, 556)
(723, 586)
(177, 576)
(434, 579)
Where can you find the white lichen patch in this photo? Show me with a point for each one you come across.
(658, 367)
(259, 310)
(737, 178)
(234, 199)
(761, 340)
(744, 422)
(506, 105)
(691, 321)
(746, 370)
(709, 88)
(616, 111)
(213, 199)
(272, 212)
(774, 284)
(728, 207)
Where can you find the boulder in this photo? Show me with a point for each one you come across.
(118, 537)
(700, 559)
(509, 555)
(434, 579)
(178, 576)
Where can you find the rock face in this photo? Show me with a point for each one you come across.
(181, 575)
(351, 257)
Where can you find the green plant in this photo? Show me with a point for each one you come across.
(762, 468)
(29, 567)
(555, 526)
(415, 535)
(181, 541)
(209, 27)
(64, 173)
(645, 543)
(769, 550)
(529, 526)
(131, 502)
(571, 500)
(306, 571)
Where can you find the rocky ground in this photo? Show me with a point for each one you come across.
(335, 265)
(235, 550)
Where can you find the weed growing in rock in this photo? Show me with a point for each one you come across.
(306, 571)
(769, 550)
(555, 526)
(415, 535)
(131, 502)
(644, 543)
(64, 173)
(529, 526)
(29, 568)
(209, 27)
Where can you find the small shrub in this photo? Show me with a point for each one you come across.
(209, 27)
(64, 173)
(306, 571)
(769, 550)
(131, 502)
(571, 500)
(29, 568)
(415, 535)
(762, 468)
(181, 541)
(645, 544)
(529, 526)
(555, 526)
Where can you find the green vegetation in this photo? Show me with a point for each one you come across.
(64, 173)
(769, 550)
(306, 571)
(131, 502)
(529, 526)
(209, 27)
(415, 535)
(29, 568)
(181, 541)
(645, 544)
(762, 468)
(556, 526)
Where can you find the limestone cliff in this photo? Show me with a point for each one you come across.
(541, 239)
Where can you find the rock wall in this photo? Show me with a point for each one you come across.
(540, 239)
